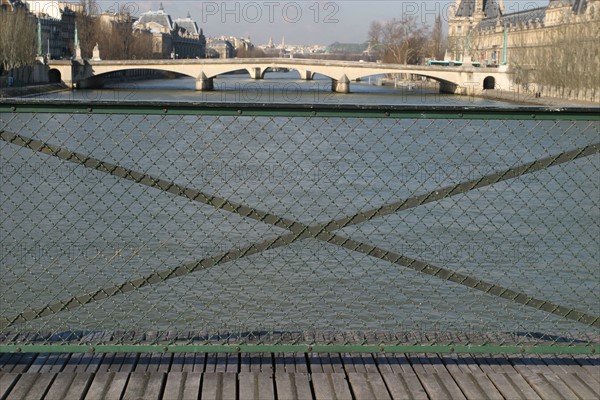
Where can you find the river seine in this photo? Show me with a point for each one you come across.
(68, 230)
(277, 87)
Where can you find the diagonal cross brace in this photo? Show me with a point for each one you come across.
(299, 231)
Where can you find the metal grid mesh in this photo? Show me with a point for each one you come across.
(212, 229)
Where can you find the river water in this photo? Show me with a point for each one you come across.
(275, 88)
(68, 230)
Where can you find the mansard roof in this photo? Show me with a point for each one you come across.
(535, 14)
(513, 19)
(188, 24)
(466, 8)
(578, 6)
(491, 8)
(158, 17)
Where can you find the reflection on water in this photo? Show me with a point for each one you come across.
(275, 88)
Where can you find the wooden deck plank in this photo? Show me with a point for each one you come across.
(476, 386)
(336, 363)
(7, 382)
(165, 362)
(93, 363)
(107, 386)
(498, 364)
(289, 361)
(177, 362)
(403, 386)
(244, 363)
(70, 385)
(545, 388)
(314, 360)
(453, 364)
(256, 386)
(156, 363)
(368, 386)
(440, 387)
(328, 363)
(468, 364)
(358, 363)
(5, 365)
(32, 386)
(266, 363)
(56, 363)
(106, 362)
(144, 385)
(592, 381)
(219, 386)
(279, 362)
(293, 386)
(19, 363)
(255, 362)
(434, 363)
(79, 386)
(73, 362)
(125, 362)
(301, 363)
(591, 364)
(199, 362)
(348, 363)
(369, 362)
(331, 386)
(143, 362)
(182, 386)
(233, 363)
(399, 363)
(220, 362)
(38, 363)
(513, 386)
(585, 389)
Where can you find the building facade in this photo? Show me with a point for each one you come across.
(220, 48)
(180, 38)
(552, 50)
(481, 31)
(55, 24)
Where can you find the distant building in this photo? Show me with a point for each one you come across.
(481, 31)
(188, 40)
(553, 51)
(172, 39)
(12, 5)
(56, 20)
(220, 48)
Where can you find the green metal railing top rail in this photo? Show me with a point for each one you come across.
(333, 232)
(303, 110)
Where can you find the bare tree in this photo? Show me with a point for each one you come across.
(560, 60)
(17, 38)
(436, 43)
(118, 41)
(243, 52)
(87, 28)
(400, 41)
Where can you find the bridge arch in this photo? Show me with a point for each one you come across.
(54, 76)
(489, 83)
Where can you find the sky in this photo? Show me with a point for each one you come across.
(300, 22)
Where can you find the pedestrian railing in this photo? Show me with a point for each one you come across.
(223, 227)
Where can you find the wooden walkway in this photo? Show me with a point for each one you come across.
(297, 376)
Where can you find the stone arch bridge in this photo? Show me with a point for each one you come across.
(461, 80)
